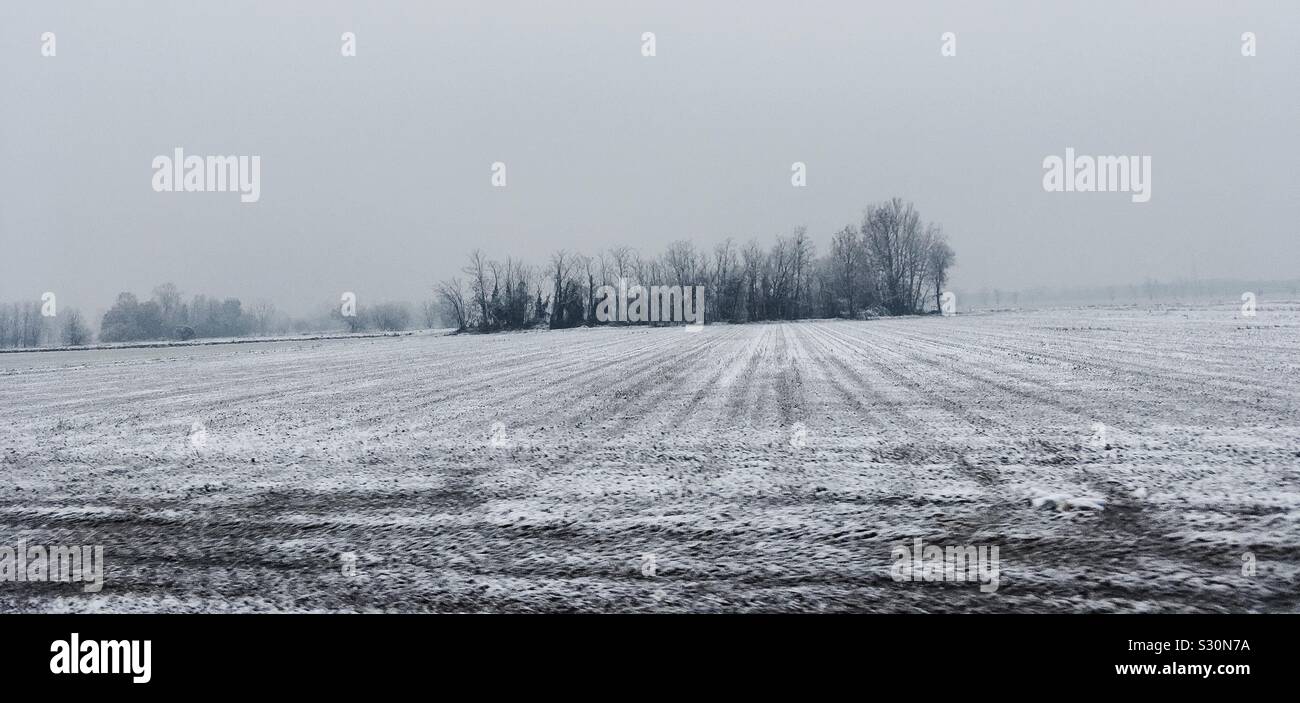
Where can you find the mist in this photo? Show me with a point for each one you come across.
(376, 169)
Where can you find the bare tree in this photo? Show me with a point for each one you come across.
(263, 313)
(726, 282)
(455, 306)
(847, 259)
(801, 255)
(477, 270)
(892, 233)
(429, 311)
(6, 325)
(75, 331)
(622, 258)
(681, 262)
(754, 262)
(30, 324)
(939, 259)
(517, 304)
(589, 268)
(608, 275)
(170, 304)
(389, 316)
(561, 267)
(780, 280)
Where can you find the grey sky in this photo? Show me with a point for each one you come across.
(375, 169)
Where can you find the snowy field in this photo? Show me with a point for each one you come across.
(1122, 460)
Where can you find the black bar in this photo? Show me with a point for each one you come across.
(324, 652)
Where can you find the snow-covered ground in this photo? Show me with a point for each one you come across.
(1121, 460)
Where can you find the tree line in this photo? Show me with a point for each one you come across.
(22, 325)
(166, 315)
(891, 263)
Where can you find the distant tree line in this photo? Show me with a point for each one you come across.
(385, 317)
(166, 315)
(1150, 291)
(23, 326)
(892, 263)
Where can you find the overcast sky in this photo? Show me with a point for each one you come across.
(375, 172)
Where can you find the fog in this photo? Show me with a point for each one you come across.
(376, 173)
